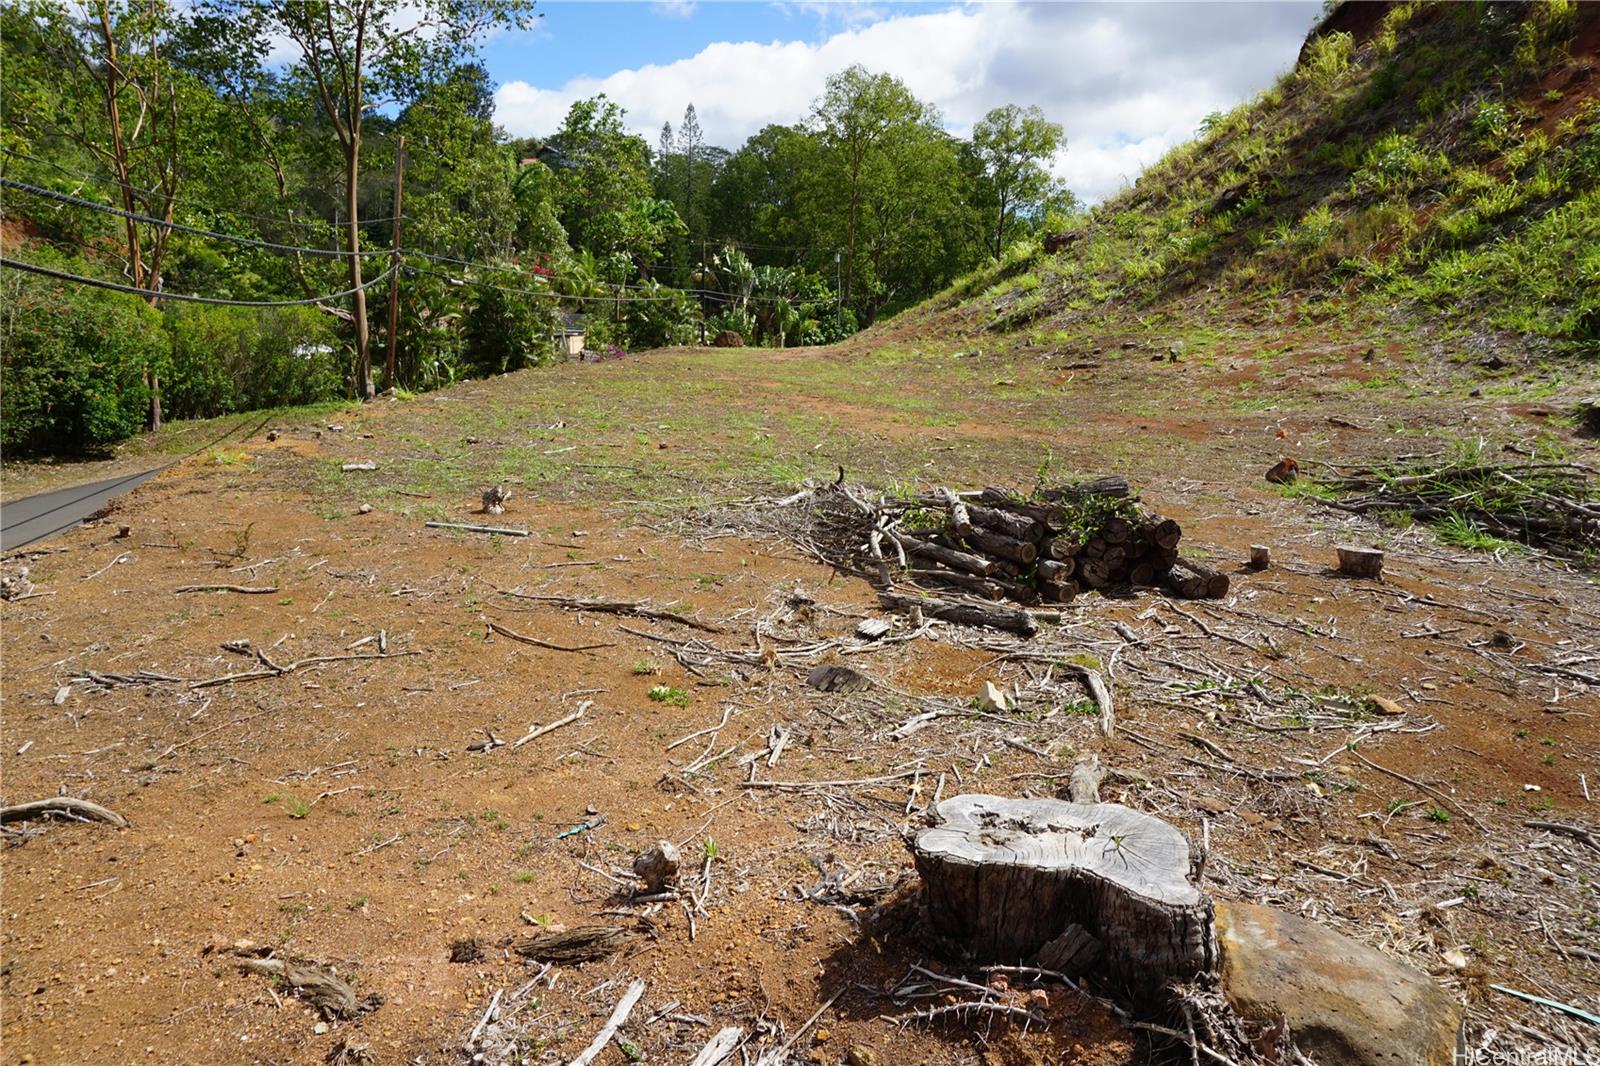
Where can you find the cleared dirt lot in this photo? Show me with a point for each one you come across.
(335, 812)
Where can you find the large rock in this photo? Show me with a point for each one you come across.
(1345, 1004)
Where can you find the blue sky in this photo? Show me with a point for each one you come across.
(1127, 81)
(597, 37)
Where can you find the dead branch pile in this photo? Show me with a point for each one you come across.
(990, 545)
(1550, 505)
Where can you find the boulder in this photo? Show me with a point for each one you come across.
(1344, 1003)
(727, 339)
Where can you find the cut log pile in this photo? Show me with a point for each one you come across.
(995, 545)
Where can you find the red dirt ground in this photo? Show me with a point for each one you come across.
(334, 813)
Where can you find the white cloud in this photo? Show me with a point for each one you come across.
(1126, 81)
(673, 9)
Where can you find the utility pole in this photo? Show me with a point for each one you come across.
(838, 296)
(394, 260)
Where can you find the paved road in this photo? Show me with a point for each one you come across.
(36, 517)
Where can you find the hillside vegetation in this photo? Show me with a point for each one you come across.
(1432, 159)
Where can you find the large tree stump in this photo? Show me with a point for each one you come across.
(1044, 881)
(1360, 562)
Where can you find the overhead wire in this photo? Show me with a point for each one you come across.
(714, 293)
(411, 253)
(51, 194)
(76, 201)
(101, 283)
(538, 292)
(105, 179)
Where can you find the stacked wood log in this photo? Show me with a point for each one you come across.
(995, 544)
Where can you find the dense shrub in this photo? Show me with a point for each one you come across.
(73, 365)
(227, 359)
(738, 321)
(506, 328)
(661, 317)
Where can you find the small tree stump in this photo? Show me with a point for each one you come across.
(1360, 562)
(495, 498)
(657, 867)
(1588, 412)
(1260, 557)
(1028, 880)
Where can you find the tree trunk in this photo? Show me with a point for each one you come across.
(966, 613)
(1002, 546)
(119, 152)
(1051, 883)
(1197, 581)
(352, 175)
(951, 557)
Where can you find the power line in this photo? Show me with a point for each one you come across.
(108, 180)
(728, 297)
(75, 201)
(492, 266)
(62, 275)
(555, 277)
(539, 292)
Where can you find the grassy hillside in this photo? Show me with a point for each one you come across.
(1438, 160)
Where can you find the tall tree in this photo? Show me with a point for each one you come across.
(359, 55)
(857, 117)
(759, 193)
(600, 167)
(692, 145)
(1012, 145)
(120, 93)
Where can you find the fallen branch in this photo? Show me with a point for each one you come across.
(803, 785)
(248, 590)
(496, 627)
(637, 608)
(727, 712)
(1418, 784)
(536, 733)
(333, 997)
(624, 1008)
(1101, 696)
(64, 805)
(467, 528)
(1187, 1038)
(1576, 832)
(124, 557)
(488, 1016)
(971, 614)
(719, 1047)
(207, 733)
(774, 1058)
(963, 1009)
(280, 671)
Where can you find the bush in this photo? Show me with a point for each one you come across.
(827, 325)
(72, 364)
(741, 322)
(508, 327)
(1327, 58)
(227, 359)
(659, 317)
